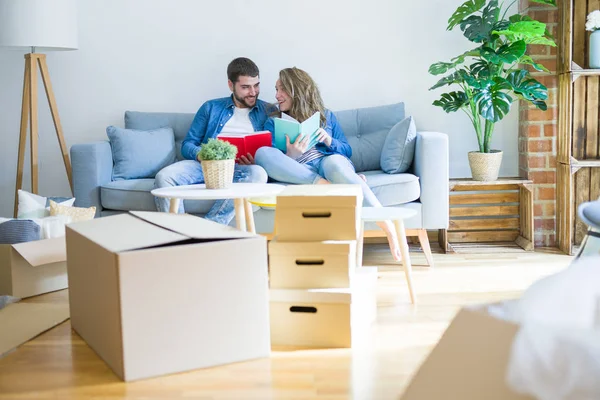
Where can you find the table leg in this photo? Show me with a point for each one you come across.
(240, 219)
(174, 205)
(249, 217)
(360, 245)
(405, 257)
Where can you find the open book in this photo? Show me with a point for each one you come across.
(287, 125)
(247, 142)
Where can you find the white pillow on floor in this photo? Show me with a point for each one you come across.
(34, 206)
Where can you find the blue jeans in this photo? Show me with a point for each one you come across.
(189, 172)
(335, 168)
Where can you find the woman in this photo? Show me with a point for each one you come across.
(326, 162)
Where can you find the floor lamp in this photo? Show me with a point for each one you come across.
(37, 25)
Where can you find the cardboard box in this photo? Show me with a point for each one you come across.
(33, 268)
(300, 265)
(158, 293)
(324, 318)
(469, 362)
(318, 212)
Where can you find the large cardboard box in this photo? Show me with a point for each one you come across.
(324, 318)
(318, 212)
(158, 293)
(300, 265)
(469, 362)
(33, 268)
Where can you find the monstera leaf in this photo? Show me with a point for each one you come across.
(527, 87)
(443, 67)
(477, 28)
(467, 8)
(452, 101)
(528, 31)
(549, 2)
(529, 61)
(456, 77)
(492, 102)
(507, 53)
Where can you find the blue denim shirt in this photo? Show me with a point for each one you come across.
(212, 117)
(339, 143)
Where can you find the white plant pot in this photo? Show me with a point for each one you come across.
(218, 174)
(485, 166)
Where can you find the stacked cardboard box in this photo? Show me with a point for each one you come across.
(318, 298)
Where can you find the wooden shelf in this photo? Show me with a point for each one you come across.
(500, 210)
(577, 71)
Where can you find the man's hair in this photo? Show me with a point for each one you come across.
(241, 66)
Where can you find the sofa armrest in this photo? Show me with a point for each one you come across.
(92, 165)
(431, 165)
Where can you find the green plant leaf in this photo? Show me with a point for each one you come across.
(529, 31)
(529, 61)
(541, 104)
(453, 101)
(455, 77)
(549, 2)
(492, 102)
(507, 53)
(440, 68)
(216, 149)
(527, 87)
(479, 28)
(464, 10)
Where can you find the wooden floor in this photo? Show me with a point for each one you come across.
(59, 365)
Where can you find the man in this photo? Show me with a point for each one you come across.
(240, 112)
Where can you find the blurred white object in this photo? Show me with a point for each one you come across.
(53, 227)
(589, 213)
(556, 353)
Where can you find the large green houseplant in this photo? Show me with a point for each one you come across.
(494, 74)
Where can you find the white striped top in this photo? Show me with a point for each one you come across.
(310, 155)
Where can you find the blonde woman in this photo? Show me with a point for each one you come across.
(326, 162)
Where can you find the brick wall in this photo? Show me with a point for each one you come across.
(538, 131)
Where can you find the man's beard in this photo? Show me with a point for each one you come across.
(243, 101)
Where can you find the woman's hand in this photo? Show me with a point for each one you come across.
(296, 149)
(323, 137)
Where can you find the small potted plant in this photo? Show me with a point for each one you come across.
(218, 162)
(492, 75)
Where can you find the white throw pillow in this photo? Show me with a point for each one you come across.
(34, 206)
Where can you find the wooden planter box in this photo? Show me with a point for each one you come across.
(499, 211)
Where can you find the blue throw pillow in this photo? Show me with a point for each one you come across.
(399, 147)
(140, 154)
(16, 231)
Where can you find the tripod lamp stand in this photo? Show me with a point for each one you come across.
(37, 25)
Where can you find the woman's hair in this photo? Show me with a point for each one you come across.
(306, 98)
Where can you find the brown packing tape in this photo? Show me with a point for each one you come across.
(22, 322)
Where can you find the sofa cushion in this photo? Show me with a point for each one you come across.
(399, 147)
(179, 122)
(366, 130)
(393, 189)
(134, 195)
(140, 153)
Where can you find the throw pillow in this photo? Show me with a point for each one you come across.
(76, 213)
(140, 154)
(399, 147)
(13, 231)
(35, 206)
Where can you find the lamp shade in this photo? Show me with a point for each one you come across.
(43, 24)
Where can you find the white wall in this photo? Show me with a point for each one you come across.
(171, 55)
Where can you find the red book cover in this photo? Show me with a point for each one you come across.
(247, 142)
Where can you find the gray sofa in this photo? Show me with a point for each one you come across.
(423, 188)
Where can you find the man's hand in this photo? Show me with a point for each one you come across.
(323, 137)
(246, 160)
(296, 149)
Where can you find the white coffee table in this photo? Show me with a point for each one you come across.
(397, 215)
(239, 192)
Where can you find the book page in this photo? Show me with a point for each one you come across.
(286, 117)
